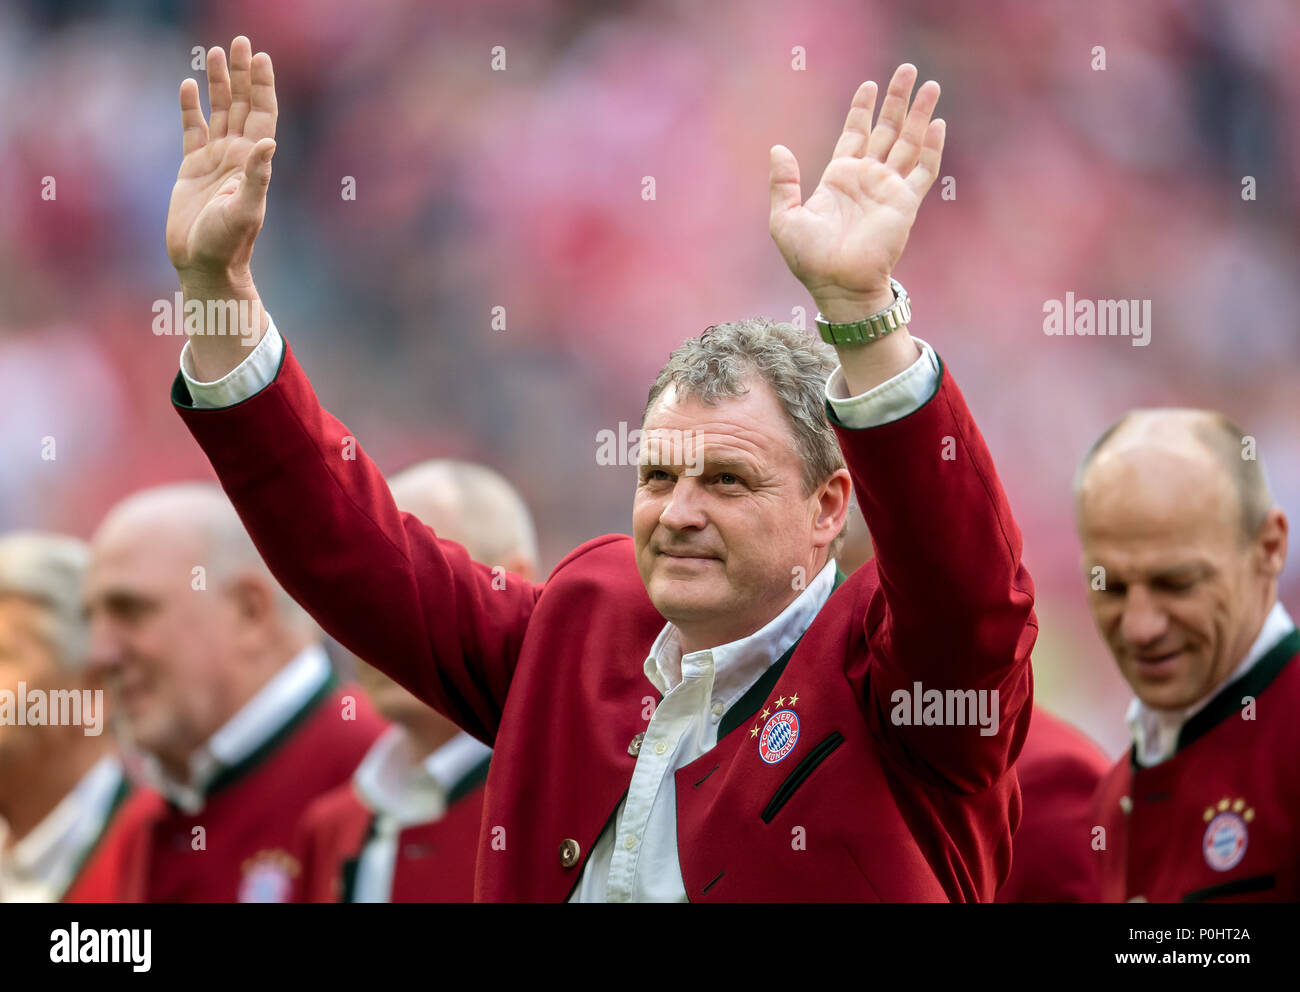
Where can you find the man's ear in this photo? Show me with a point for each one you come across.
(1271, 544)
(833, 497)
(253, 597)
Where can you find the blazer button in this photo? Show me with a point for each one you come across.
(634, 748)
(569, 851)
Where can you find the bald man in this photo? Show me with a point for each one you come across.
(61, 783)
(406, 828)
(1182, 550)
(222, 685)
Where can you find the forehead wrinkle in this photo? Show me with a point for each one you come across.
(757, 442)
(767, 418)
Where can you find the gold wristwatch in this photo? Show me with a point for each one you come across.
(871, 328)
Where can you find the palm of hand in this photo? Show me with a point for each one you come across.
(219, 199)
(203, 224)
(844, 241)
(852, 230)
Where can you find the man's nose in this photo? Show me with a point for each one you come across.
(1144, 621)
(685, 508)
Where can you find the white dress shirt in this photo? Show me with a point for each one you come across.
(636, 857)
(402, 791)
(1155, 732)
(41, 866)
(256, 722)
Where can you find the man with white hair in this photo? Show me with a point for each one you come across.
(220, 679)
(60, 781)
(406, 828)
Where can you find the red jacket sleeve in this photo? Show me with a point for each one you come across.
(954, 609)
(380, 581)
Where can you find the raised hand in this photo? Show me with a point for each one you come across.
(844, 242)
(219, 199)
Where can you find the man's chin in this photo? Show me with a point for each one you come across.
(686, 599)
(1166, 695)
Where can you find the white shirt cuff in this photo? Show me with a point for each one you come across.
(246, 379)
(893, 399)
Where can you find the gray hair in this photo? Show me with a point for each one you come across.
(48, 570)
(719, 362)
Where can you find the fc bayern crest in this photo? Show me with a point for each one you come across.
(780, 734)
(268, 877)
(1224, 843)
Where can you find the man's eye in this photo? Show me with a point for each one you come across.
(655, 475)
(727, 479)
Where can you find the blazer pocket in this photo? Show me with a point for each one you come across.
(801, 771)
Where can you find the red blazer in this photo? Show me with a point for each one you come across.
(248, 818)
(435, 861)
(1059, 771)
(551, 675)
(1220, 819)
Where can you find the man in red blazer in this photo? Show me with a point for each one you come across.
(226, 698)
(788, 734)
(405, 829)
(1182, 550)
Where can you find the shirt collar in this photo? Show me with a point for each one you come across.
(256, 722)
(391, 781)
(1155, 732)
(737, 665)
(40, 867)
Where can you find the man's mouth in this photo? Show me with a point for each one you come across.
(687, 558)
(1155, 664)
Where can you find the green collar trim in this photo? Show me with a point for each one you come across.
(1228, 701)
(348, 874)
(350, 866)
(748, 704)
(469, 780)
(233, 773)
(119, 797)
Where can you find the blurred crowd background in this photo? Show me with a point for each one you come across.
(523, 188)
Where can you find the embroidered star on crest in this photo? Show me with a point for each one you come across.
(780, 702)
(753, 731)
(794, 698)
(766, 713)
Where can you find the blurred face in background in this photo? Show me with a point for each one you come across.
(166, 648)
(27, 657)
(392, 701)
(720, 528)
(1185, 592)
